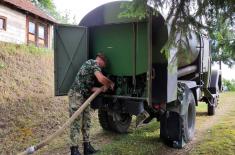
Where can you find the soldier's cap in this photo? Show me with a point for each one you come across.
(102, 56)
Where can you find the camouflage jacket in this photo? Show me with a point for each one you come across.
(85, 78)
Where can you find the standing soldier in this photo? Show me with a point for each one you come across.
(81, 89)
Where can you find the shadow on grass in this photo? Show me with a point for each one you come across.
(200, 114)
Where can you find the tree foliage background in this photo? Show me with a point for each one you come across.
(49, 7)
(214, 18)
(229, 85)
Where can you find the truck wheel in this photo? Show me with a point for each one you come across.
(188, 123)
(211, 107)
(177, 128)
(120, 122)
(103, 119)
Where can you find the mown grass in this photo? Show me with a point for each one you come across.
(202, 107)
(28, 109)
(144, 140)
(220, 139)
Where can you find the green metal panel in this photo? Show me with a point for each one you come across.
(117, 42)
(142, 48)
(70, 53)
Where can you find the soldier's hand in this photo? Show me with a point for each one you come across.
(112, 86)
(94, 89)
(105, 88)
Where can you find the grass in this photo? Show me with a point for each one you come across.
(220, 139)
(202, 107)
(138, 141)
(28, 109)
(14, 48)
(2, 65)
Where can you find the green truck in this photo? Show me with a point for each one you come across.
(167, 87)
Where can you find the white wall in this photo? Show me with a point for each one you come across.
(15, 26)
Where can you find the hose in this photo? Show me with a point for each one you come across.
(32, 149)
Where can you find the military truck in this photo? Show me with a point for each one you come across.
(167, 86)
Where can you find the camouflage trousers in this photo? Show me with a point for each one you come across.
(83, 122)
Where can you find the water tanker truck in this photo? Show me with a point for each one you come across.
(167, 87)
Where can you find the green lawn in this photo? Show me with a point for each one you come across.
(144, 140)
(220, 139)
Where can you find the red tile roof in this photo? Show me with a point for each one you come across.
(27, 6)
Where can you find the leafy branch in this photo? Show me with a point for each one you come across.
(187, 16)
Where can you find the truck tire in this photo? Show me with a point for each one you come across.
(103, 119)
(120, 122)
(188, 123)
(211, 107)
(179, 128)
(117, 122)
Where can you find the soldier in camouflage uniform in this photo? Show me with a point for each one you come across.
(81, 89)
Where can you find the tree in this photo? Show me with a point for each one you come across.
(229, 85)
(45, 4)
(48, 4)
(67, 17)
(223, 43)
(200, 16)
(49, 7)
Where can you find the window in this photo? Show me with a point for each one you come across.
(31, 32)
(41, 35)
(3, 24)
(41, 31)
(37, 32)
(32, 27)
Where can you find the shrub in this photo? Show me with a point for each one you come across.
(229, 85)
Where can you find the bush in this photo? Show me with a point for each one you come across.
(229, 85)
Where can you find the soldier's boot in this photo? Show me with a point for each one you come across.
(141, 118)
(74, 150)
(89, 149)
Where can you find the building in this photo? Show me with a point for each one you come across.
(22, 22)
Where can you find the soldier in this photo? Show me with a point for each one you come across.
(81, 89)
